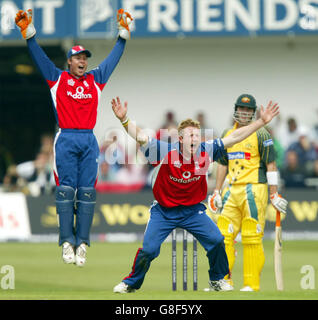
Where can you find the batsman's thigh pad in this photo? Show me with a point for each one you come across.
(226, 227)
(85, 205)
(65, 197)
(253, 252)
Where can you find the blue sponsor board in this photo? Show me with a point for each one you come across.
(163, 18)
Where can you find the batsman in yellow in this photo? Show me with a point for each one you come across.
(245, 174)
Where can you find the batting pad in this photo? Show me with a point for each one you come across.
(86, 199)
(65, 196)
(253, 252)
(226, 227)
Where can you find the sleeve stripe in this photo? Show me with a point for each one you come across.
(266, 152)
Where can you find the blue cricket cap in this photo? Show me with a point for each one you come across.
(76, 50)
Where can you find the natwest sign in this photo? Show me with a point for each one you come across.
(96, 18)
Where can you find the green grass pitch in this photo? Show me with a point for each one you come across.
(40, 273)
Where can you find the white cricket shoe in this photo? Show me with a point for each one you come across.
(123, 288)
(247, 289)
(80, 256)
(68, 253)
(220, 285)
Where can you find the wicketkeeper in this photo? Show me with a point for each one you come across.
(75, 94)
(249, 168)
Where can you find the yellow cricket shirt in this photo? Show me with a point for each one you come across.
(247, 159)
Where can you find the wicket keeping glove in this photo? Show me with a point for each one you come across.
(24, 21)
(215, 201)
(278, 202)
(123, 21)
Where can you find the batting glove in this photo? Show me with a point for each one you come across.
(215, 201)
(123, 21)
(24, 21)
(278, 202)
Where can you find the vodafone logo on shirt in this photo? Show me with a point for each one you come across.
(79, 94)
(181, 180)
(186, 174)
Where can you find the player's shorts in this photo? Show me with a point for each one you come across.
(246, 200)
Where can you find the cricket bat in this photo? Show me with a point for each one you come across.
(278, 254)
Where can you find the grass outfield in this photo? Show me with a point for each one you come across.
(40, 273)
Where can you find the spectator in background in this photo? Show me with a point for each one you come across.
(31, 177)
(314, 133)
(305, 150)
(113, 152)
(132, 174)
(38, 174)
(206, 132)
(312, 181)
(106, 173)
(168, 131)
(46, 144)
(10, 180)
(288, 134)
(315, 170)
(202, 120)
(293, 174)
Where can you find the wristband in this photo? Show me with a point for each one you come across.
(125, 122)
(272, 178)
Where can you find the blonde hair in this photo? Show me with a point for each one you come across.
(188, 123)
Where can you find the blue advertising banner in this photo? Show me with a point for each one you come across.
(163, 18)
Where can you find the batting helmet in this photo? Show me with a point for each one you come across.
(247, 101)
